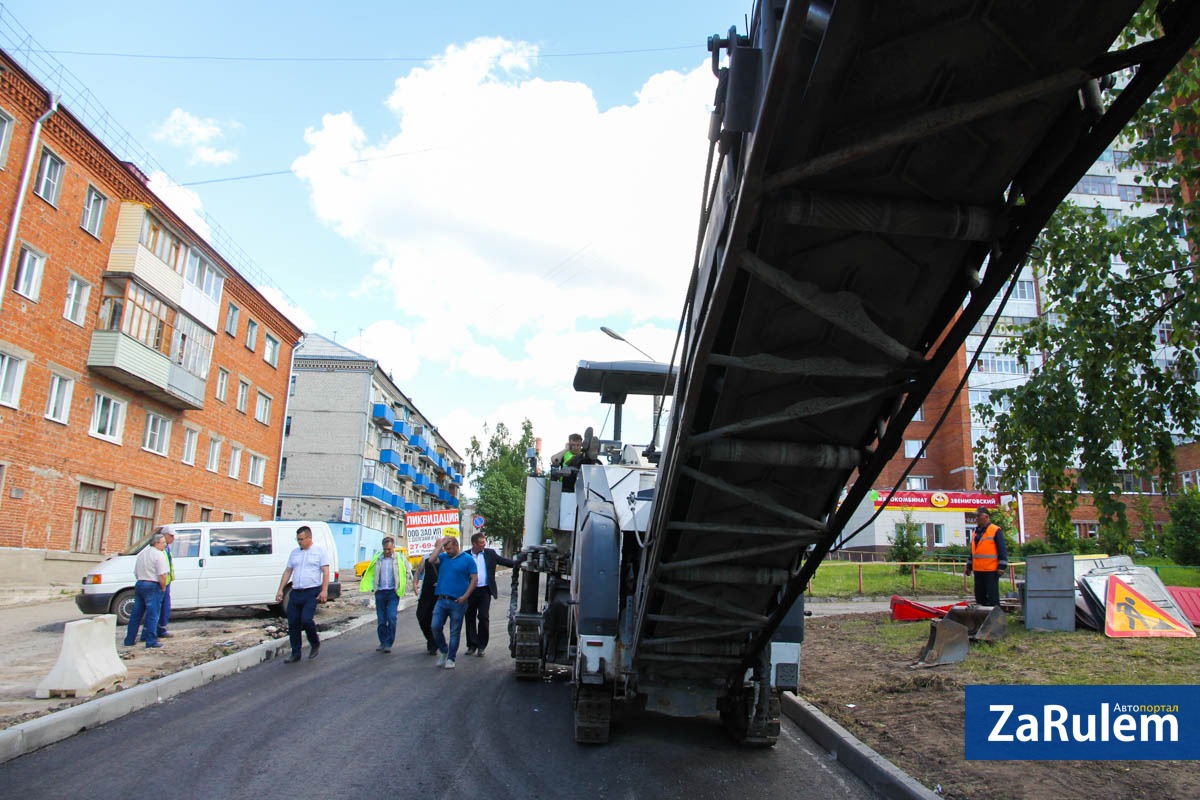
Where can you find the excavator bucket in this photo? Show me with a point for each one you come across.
(983, 623)
(947, 644)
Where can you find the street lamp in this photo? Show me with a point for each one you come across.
(658, 399)
(614, 335)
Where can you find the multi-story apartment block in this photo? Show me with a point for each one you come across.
(356, 448)
(143, 380)
(938, 489)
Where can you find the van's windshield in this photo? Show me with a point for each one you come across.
(140, 544)
(186, 544)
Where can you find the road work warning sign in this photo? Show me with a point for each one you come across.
(1127, 613)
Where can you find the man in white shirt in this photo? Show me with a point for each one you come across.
(479, 603)
(308, 570)
(150, 573)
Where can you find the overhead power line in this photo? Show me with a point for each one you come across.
(344, 59)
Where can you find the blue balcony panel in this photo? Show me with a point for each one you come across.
(402, 428)
(375, 492)
(406, 471)
(382, 414)
(390, 457)
(411, 506)
(418, 442)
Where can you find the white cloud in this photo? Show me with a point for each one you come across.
(295, 313)
(188, 131)
(516, 211)
(183, 201)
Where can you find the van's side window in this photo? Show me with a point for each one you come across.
(239, 541)
(186, 544)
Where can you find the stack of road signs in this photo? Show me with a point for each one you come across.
(1132, 601)
(1130, 614)
(1188, 600)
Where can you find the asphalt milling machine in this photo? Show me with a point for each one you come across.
(572, 602)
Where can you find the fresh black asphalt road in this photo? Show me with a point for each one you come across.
(358, 724)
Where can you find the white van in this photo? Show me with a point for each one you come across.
(216, 564)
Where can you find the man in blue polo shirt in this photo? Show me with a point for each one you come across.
(457, 576)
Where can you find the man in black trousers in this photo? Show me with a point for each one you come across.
(479, 604)
(427, 577)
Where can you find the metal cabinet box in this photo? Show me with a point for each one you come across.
(1050, 592)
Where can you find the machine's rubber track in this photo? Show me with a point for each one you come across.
(749, 728)
(528, 663)
(593, 714)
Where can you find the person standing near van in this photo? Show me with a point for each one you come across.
(164, 618)
(457, 574)
(308, 570)
(388, 578)
(150, 571)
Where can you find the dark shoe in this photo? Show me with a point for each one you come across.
(385, 649)
(314, 651)
(380, 649)
(292, 659)
(156, 644)
(165, 634)
(432, 652)
(479, 652)
(470, 651)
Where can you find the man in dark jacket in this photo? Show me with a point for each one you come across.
(427, 598)
(479, 604)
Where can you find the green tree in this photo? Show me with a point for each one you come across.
(1182, 537)
(498, 474)
(907, 542)
(1101, 397)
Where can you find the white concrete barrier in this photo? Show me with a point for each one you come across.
(88, 660)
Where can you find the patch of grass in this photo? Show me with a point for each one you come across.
(841, 579)
(1039, 657)
(1169, 572)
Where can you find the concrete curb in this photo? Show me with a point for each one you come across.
(37, 733)
(880, 774)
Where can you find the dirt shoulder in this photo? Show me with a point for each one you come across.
(856, 668)
(33, 638)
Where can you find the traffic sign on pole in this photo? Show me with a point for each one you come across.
(478, 521)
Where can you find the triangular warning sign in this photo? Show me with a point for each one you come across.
(1127, 613)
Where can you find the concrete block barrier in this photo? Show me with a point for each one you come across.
(88, 660)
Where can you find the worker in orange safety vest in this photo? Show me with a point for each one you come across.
(989, 558)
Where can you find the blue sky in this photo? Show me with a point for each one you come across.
(468, 203)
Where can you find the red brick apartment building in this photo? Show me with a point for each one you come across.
(142, 379)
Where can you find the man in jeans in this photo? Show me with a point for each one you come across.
(457, 575)
(388, 578)
(150, 570)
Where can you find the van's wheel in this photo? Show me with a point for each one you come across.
(122, 606)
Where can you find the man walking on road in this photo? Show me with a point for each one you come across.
(150, 571)
(308, 570)
(989, 558)
(456, 580)
(479, 604)
(388, 578)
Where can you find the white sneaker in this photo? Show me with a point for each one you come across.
(441, 660)
(450, 664)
